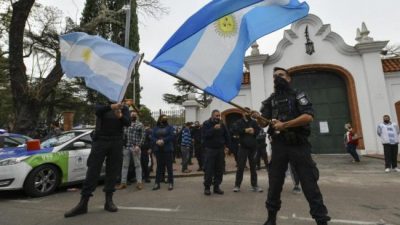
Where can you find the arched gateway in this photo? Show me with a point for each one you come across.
(331, 90)
(346, 83)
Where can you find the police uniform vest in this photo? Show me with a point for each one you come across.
(285, 106)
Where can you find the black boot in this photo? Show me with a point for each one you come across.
(207, 191)
(109, 205)
(218, 191)
(81, 208)
(271, 218)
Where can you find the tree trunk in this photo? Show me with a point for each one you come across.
(18, 79)
(27, 116)
(28, 102)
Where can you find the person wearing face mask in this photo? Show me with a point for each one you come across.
(163, 137)
(389, 133)
(107, 145)
(135, 136)
(215, 139)
(289, 113)
(247, 129)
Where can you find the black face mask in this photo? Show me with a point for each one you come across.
(133, 118)
(217, 120)
(386, 121)
(281, 84)
(248, 117)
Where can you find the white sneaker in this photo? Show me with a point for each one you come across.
(387, 170)
(256, 189)
(236, 189)
(396, 169)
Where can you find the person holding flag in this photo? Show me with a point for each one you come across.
(107, 145)
(290, 113)
(107, 68)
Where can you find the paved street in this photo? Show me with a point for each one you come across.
(354, 194)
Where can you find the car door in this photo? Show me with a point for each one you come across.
(77, 158)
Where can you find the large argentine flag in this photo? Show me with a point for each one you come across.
(209, 48)
(105, 66)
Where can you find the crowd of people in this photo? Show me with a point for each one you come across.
(121, 139)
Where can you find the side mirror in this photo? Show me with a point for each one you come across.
(79, 144)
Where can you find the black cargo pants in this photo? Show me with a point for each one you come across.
(300, 158)
(109, 149)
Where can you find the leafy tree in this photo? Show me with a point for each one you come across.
(5, 99)
(33, 32)
(28, 96)
(184, 88)
(145, 116)
(114, 29)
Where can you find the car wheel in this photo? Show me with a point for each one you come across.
(42, 181)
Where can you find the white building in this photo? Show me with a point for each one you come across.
(345, 84)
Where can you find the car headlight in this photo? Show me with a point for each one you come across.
(12, 161)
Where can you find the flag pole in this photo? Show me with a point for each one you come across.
(136, 67)
(265, 120)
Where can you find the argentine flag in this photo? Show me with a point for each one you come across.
(209, 48)
(105, 66)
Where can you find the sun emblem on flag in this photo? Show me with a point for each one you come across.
(86, 55)
(226, 26)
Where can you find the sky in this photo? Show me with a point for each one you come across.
(345, 16)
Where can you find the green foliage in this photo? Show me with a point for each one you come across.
(184, 88)
(145, 116)
(114, 30)
(69, 96)
(6, 110)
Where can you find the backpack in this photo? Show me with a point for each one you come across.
(345, 139)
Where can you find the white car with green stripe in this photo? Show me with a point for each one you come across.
(60, 161)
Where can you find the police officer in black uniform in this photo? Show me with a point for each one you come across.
(215, 139)
(290, 114)
(107, 144)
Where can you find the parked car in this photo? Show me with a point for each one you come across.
(60, 161)
(15, 140)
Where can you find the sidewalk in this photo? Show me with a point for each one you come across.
(378, 156)
(230, 167)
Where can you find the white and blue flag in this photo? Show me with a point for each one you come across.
(209, 48)
(105, 66)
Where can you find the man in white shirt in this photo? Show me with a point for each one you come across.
(389, 133)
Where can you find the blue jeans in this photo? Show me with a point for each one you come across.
(351, 148)
(185, 157)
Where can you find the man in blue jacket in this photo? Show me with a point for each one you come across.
(215, 139)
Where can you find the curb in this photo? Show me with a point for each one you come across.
(378, 157)
(196, 174)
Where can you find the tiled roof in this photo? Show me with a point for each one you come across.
(391, 65)
(246, 78)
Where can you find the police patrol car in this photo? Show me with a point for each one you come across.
(59, 161)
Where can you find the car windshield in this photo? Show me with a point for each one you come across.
(59, 139)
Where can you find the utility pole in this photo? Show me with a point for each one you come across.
(127, 9)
